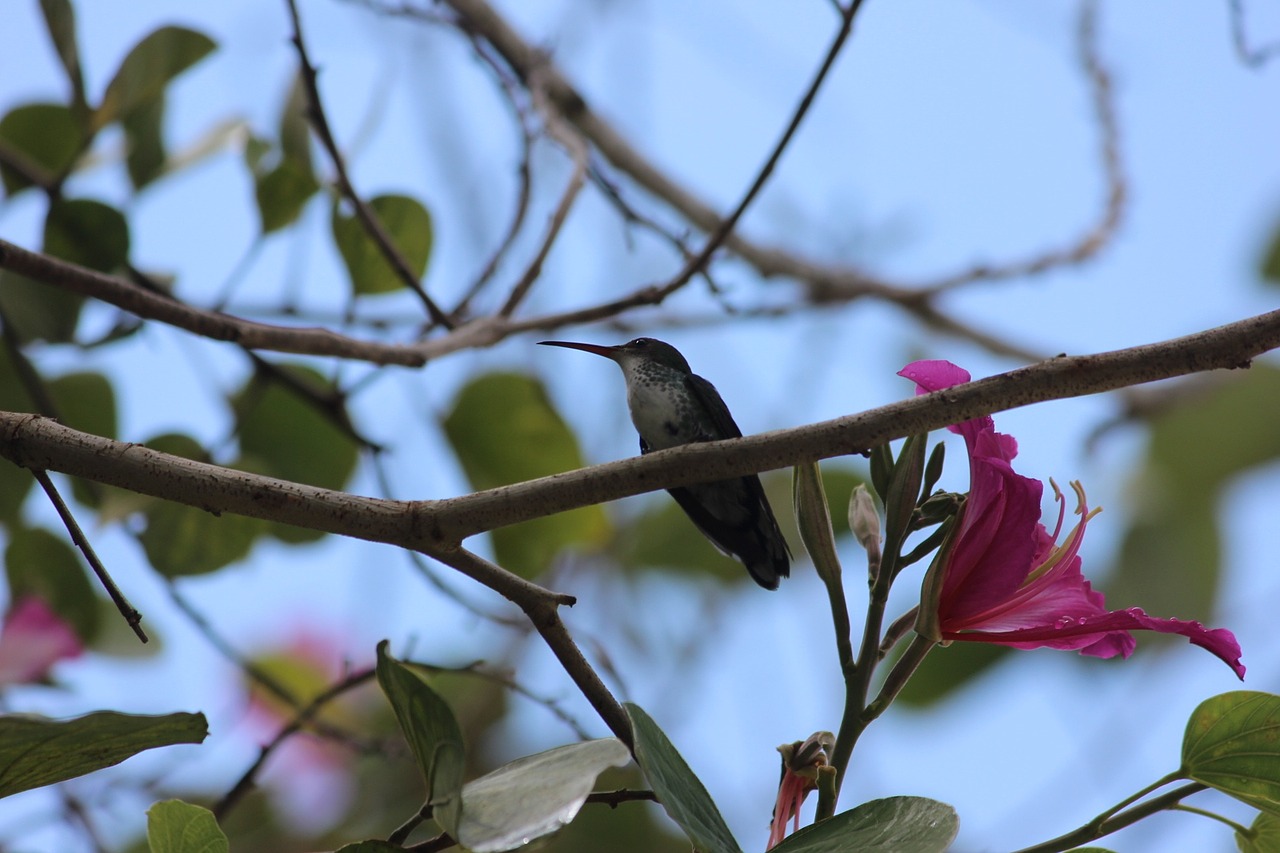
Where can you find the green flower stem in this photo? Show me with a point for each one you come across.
(1115, 819)
(898, 677)
(1241, 830)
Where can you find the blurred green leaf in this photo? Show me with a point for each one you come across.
(282, 193)
(1270, 265)
(371, 846)
(87, 402)
(1232, 743)
(295, 129)
(177, 827)
(532, 796)
(88, 233)
(1264, 837)
(406, 222)
(46, 137)
(38, 312)
(60, 21)
(35, 751)
(288, 436)
(1170, 557)
(144, 141)
(504, 429)
(185, 540)
(432, 731)
(148, 68)
(947, 670)
(681, 793)
(891, 825)
(15, 482)
(41, 563)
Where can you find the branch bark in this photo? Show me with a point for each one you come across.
(437, 527)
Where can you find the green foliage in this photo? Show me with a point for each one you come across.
(38, 562)
(681, 793)
(46, 137)
(1232, 743)
(291, 425)
(504, 429)
(1170, 558)
(284, 189)
(88, 233)
(1263, 837)
(177, 827)
(405, 221)
(532, 796)
(186, 540)
(947, 670)
(891, 825)
(35, 751)
(144, 141)
(60, 21)
(431, 730)
(148, 68)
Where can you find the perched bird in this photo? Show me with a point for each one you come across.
(671, 405)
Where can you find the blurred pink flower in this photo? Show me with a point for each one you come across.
(32, 640)
(801, 763)
(1007, 581)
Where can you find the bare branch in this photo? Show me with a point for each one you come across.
(150, 305)
(1254, 57)
(435, 527)
(369, 219)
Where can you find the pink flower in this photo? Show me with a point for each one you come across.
(33, 639)
(800, 767)
(1007, 581)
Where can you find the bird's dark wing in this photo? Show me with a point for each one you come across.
(712, 404)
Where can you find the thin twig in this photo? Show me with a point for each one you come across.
(215, 325)
(1100, 234)
(368, 218)
(127, 610)
(1254, 57)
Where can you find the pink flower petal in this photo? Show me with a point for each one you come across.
(33, 639)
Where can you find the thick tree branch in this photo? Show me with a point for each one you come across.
(436, 527)
(150, 305)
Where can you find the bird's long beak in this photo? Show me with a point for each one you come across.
(595, 349)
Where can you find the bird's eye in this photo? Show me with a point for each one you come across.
(640, 342)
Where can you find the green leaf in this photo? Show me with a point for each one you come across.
(60, 21)
(533, 796)
(15, 482)
(185, 540)
(286, 435)
(282, 193)
(405, 221)
(681, 793)
(1270, 263)
(38, 562)
(46, 137)
(891, 825)
(144, 141)
(947, 670)
(147, 70)
(429, 726)
(813, 518)
(1264, 835)
(87, 402)
(35, 751)
(1232, 744)
(177, 827)
(38, 312)
(88, 233)
(503, 430)
(663, 537)
(1170, 557)
(295, 129)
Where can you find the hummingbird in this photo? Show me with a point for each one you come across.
(671, 405)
